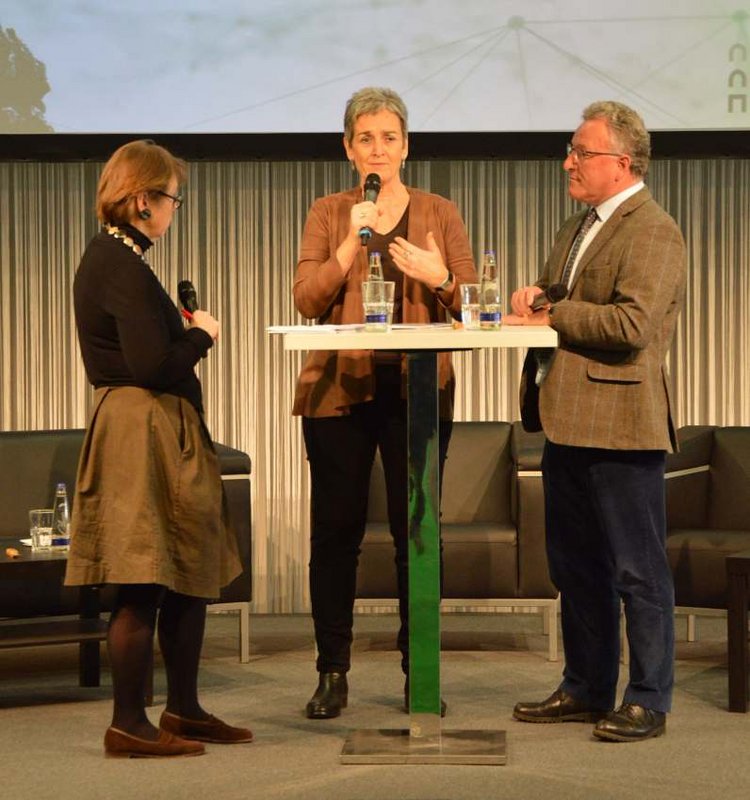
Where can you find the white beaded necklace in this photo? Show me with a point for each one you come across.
(127, 241)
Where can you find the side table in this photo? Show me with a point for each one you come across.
(88, 630)
(738, 591)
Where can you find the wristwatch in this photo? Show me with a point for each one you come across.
(446, 283)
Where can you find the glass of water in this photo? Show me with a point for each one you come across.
(375, 306)
(470, 305)
(40, 528)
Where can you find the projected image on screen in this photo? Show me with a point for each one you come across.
(289, 66)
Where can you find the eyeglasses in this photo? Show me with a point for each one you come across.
(176, 199)
(579, 154)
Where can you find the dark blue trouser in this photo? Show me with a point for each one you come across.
(606, 529)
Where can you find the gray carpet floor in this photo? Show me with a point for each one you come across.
(51, 730)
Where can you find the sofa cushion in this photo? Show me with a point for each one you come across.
(477, 479)
(697, 558)
(479, 561)
(31, 465)
(729, 507)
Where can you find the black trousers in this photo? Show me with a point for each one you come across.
(341, 451)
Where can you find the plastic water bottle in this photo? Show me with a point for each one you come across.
(61, 519)
(489, 300)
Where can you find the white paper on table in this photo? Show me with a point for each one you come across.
(314, 328)
(355, 326)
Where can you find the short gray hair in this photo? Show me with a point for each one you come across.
(370, 100)
(628, 132)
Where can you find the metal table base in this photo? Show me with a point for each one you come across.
(400, 746)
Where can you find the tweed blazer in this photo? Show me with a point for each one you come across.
(332, 381)
(607, 385)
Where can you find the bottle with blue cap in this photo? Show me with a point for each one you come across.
(61, 519)
(489, 300)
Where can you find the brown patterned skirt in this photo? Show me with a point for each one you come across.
(149, 504)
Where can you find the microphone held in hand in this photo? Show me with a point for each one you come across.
(372, 190)
(188, 298)
(553, 293)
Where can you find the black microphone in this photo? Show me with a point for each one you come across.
(188, 297)
(553, 293)
(372, 190)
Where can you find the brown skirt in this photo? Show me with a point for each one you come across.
(149, 504)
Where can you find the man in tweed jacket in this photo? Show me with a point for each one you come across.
(602, 400)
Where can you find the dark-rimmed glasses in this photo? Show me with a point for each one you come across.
(175, 198)
(579, 154)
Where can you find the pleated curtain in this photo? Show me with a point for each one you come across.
(237, 238)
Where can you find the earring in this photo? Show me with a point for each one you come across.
(144, 213)
(354, 168)
(403, 163)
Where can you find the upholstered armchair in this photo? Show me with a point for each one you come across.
(708, 511)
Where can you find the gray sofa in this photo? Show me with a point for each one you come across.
(31, 464)
(492, 525)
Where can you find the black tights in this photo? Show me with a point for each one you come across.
(130, 644)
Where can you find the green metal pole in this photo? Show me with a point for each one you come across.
(424, 543)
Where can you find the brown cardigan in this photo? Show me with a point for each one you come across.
(331, 381)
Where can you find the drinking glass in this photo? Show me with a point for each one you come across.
(375, 306)
(470, 305)
(40, 528)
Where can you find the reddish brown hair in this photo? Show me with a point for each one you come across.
(139, 166)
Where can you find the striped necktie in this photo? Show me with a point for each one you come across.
(588, 221)
(544, 355)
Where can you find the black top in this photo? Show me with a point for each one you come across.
(379, 242)
(129, 330)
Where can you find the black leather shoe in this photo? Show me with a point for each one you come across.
(631, 723)
(443, 704)
(330, 696)
(558, 707)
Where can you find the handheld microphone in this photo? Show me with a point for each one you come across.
(188, 298)
(553, 293)
(372, 190)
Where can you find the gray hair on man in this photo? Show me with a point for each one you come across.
(627, 130)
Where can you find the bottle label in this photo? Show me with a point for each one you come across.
(60, 542)
(376, 322)
(489, 320)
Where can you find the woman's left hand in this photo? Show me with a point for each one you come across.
(423, 265)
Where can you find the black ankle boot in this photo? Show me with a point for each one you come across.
(443, 704)
(330, 696)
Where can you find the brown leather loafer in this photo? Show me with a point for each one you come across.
(558, 707)
(631, 723)
(211, 730)
(118, 744)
